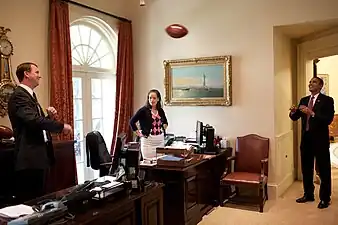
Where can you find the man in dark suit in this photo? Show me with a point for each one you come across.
(316, 112)
(34, 150)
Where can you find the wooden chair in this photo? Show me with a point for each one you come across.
(250, 169)
(333, 129)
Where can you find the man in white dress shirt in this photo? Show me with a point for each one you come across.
(31, 128)
(316, 112)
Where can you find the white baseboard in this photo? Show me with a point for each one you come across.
(285, 184)
(276, 190)
(272, 191)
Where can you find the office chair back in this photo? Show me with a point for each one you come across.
(97, 152)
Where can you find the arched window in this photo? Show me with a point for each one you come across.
(94, 51)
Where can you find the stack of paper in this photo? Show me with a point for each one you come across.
(172, 158)
(16, 211)
(112, 183)
(180, 145)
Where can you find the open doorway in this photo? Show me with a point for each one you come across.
(307, 51)
(326, 68)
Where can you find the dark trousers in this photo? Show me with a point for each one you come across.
(316, 168)
(310, 150)
(30, 184)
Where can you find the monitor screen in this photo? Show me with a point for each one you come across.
(199, 132)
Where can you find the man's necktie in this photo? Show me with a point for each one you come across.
(310, 106)
(41, 113)
(46, 135)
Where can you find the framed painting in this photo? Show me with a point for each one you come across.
(325, 78)
(198, 81)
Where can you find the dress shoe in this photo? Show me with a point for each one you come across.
(323, 204)
(305, 199)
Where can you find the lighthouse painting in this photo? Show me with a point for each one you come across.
(198, 82)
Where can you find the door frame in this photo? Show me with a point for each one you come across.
(307, 51)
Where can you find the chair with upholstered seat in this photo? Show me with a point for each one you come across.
(250, 170)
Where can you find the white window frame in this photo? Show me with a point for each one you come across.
(87, 73)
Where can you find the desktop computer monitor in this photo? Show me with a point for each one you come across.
(209, 133)
(199, 132)
(205, 136)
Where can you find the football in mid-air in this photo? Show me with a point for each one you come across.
(176, 30)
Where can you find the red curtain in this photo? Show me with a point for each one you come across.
(124, 83)
(61, 96)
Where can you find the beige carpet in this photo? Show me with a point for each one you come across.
(282, 211)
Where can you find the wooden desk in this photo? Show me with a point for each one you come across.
(60, 176)
(63, 174)
(7, 178)
(144, 208)
(190, 192)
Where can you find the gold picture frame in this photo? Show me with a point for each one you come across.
(325, 78)
(205, 81)
(6, 90)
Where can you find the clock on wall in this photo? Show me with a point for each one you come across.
(7, 84)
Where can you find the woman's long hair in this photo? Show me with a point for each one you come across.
(158, 94)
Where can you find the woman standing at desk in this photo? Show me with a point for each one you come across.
(153, 124)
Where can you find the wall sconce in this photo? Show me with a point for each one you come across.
(142, 3)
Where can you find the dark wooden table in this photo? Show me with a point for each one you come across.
(190, 192)
(60, 176)
(7, 175)
(63, 173)
(145, 208)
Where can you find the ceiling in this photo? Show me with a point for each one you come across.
(308, 28)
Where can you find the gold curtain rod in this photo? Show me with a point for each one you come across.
(97, 10)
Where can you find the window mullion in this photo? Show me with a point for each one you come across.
(86, 113)
(87, 106)
(89, 47)
(102, 80)
(88, 95)
(95, 50)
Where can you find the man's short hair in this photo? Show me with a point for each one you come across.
(22, 68)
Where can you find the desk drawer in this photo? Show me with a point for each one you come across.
(124, 215)
(152, 208)
(193, 215)
(191, 193)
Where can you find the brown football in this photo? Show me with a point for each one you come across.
(176, 30)
(5, 132)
